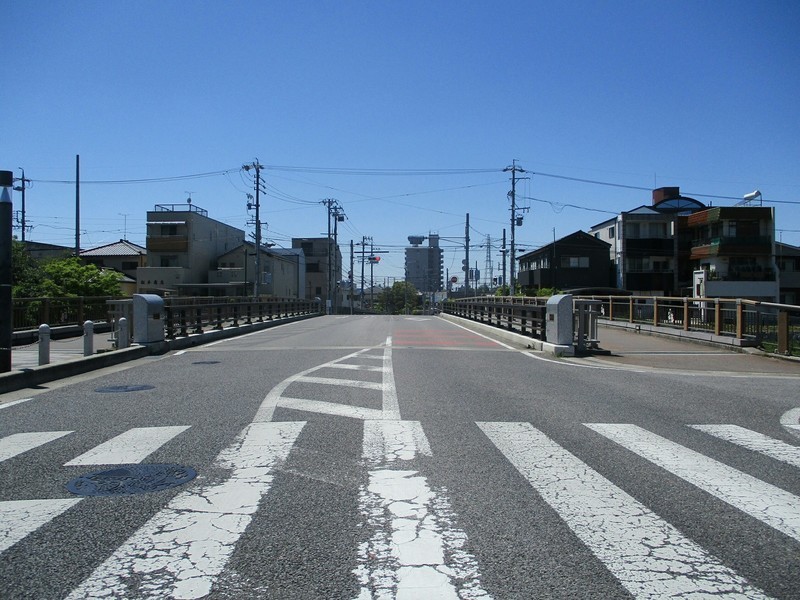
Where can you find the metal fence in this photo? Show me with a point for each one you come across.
(773, 327)
(182, 315)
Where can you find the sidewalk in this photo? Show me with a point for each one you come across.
(27, 356)
(621, 348)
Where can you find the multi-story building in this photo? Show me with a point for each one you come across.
(323, 268)
(183, 245)
(788, 260)
(733, 253)
(578, 260)
(280, 272)
(650, 245)
(425, 264)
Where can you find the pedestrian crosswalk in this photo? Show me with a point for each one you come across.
(413, 544)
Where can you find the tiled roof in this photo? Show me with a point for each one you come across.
(120, 248)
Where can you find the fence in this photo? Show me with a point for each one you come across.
(182, 315)
(774, 327)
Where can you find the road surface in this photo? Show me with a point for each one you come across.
(371, 457)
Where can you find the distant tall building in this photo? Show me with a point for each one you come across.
(425, 264)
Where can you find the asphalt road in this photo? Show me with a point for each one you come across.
(403, 457)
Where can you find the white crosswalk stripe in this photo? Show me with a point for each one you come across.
(181, 551)
(19, 518)
(752, 440)
(414, 545)
(769, 504)
(648, 556)
(131, 446)
(18, 443)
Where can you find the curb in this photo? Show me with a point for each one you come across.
(512, 336)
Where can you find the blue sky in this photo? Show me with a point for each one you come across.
(405, 112)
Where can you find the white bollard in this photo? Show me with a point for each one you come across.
(44, 344)
(88, 338)
(123, 338)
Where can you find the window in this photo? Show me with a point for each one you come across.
(610, 233)
(574, 262)
(312, 268)
(169, 260)
(169, 230)
(632, 230)
(129, 265)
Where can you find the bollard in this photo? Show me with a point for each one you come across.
(123, 337)
(88, 338)
(44, 344)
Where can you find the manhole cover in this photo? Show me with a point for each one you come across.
(206, 362)
(117, 389)
(131, 479)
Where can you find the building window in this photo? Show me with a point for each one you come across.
(169, 260)
(632, 230)
(169, 230)
(129, 265)
(574, 262)
(610, 233)
(312, 268)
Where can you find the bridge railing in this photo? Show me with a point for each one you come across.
(523, 314)
(774, 327)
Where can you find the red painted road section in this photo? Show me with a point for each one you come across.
(439, 338)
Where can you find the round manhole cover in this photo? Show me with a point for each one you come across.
(118, 389)
(206, 362)
(131, 479)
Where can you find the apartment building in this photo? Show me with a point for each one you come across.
(183, 245)
(424, 265)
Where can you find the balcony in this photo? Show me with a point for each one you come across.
(167, 243)
(731, 246)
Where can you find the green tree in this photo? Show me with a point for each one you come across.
(401, 298)
(58, 278)
(70, 277)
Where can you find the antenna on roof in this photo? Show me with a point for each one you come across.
(189, 199)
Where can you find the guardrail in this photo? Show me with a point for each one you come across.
(523, 314)
(29, 313)
(773, 327)
(190, 315)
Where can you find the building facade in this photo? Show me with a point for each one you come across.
(424, 265)
(183, 245)
(323, 268)
(650, 245)
(578, 260)
(733, 253)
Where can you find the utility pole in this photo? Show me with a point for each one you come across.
(6, 310)
(513, 196)
(350, 276)
(466, 257)
(77, 205)
(337, 212)
(21, 188)
(257, 279)
(487, 276)
(503, 251)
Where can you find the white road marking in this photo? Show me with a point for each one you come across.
(648, 556)
(14, 403)
(179, 352)
(752, 440)
(18, 518)
(331, 408)
(791, 420)
(769, 504)
(183, 548)
(356, 383)
(415, 550)
(18, 443)
(389, 410)
(132, 446)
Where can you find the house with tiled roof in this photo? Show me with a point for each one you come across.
(122, 256)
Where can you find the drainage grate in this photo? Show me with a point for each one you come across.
(117, 389)
(206, 362)
(131, 479)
